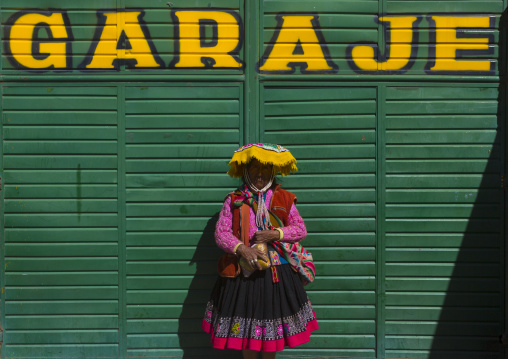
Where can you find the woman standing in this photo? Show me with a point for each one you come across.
(261, 310)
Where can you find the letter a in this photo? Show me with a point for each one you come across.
(298, 41)
(121, 38)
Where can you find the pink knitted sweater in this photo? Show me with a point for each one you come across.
(295, 230)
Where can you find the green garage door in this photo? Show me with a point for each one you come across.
(113, 170)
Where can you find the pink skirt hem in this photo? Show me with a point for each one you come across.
(261, 345)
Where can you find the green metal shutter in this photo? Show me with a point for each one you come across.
(332, 132)
(443, 222)
(60, 220)
(179, 140)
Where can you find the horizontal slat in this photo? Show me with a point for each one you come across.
(60, 103)
(457, 240)
(434, 313)
(79, 307)
(59, 147)
(443, 181)
(61, 191)
(443, 225)
(334, 151)
(73, 278)
(440, 343)
(440, 93)
(167, 136)
(178, 180)
(490, 211)
(61, 220)
(61, 250)
(60, 132)
(442, 255)
(446, 299)
(62, 350)
(181, 151)
(430, 328)
(443, 196)
(61, 264)
(49, 91)
(62, 337)
(474, 285)
(215, 91)
(76, 117)
(443, 166)
(441, 136)
(441, 122)
(75, 176)
(455, 270)
(59, 161)
(61, 235)
(442, 107)
(182, 106)
(321, 137)
(321, 122)
(299, 108)
(60, 206)
(183, 121)
(275, 94)
(62, 293)
(445, 151)
(47, 322)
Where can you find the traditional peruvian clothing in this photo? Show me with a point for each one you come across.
(264, 310)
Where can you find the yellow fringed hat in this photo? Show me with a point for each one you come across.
(282, 160)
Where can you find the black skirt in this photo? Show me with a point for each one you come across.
(265, 312)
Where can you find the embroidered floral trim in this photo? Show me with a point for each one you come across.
(248, 328)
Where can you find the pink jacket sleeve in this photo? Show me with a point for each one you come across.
(295, 231)
(224, 236)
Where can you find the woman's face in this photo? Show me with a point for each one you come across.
(259, 174)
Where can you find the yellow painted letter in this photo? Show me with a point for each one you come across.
(192, 48)
(39, 40)
(121, 38)
(297, 41)
(401, 40)
(456, 37)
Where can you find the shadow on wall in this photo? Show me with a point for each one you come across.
(194, 342)
(471, 319)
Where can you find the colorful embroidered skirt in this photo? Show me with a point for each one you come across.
(255, 313)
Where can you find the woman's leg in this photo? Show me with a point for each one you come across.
(268, 355)
(250, 354)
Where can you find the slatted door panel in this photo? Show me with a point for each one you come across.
(443, 222)
(179, 140)
(60, 224)
(332, 133)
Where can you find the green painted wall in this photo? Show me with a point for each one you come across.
(112, 181)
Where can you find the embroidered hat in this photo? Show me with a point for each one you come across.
(282, 160)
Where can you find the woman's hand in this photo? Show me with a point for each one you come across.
(251, 255)
(266, 236)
